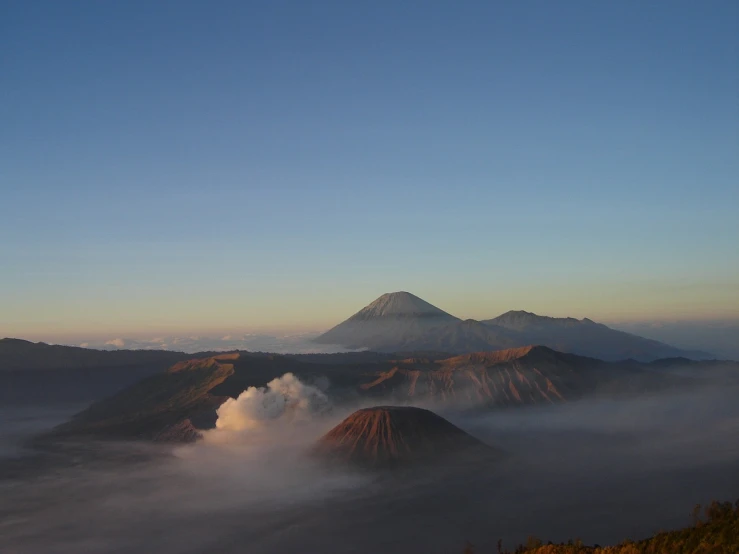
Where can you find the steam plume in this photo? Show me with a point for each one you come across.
(283, 397)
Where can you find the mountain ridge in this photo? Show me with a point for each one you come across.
(400, 321)
(192, 390)
(20, 354)
(513, 319)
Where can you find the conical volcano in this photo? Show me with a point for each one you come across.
(400, 304)
(389, 436)
(391, 317)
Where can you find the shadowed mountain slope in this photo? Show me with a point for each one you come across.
(459, 336)
(389, 436)
(153, 405)
(585, 337)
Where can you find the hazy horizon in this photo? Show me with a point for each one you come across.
(175, 167)
(106, 330)
(717, 336)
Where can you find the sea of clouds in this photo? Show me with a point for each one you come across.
(301, 343)
(600, 469)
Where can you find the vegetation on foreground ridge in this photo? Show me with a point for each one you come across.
(716, 533)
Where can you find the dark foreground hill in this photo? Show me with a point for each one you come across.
(715, 532)
(192, 390)
(393, 436)
(400, 321)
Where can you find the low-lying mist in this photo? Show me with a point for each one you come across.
(601, 471)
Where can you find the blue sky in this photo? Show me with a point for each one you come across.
(211, 166)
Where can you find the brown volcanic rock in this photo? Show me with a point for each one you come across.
(193, 389)
(156, 407)
(514, 377)
(517, 376)
(388, 436)
(184, 431)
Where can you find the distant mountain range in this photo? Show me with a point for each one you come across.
(402, 322)
(43, 373)
(23, 355)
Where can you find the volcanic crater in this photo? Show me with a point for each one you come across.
(393, 436)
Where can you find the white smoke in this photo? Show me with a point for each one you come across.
(284, 397)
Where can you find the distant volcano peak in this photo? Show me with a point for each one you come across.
(402, 322)
(392, 315)
(399, 304)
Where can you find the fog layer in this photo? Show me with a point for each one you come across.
(601, 471)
